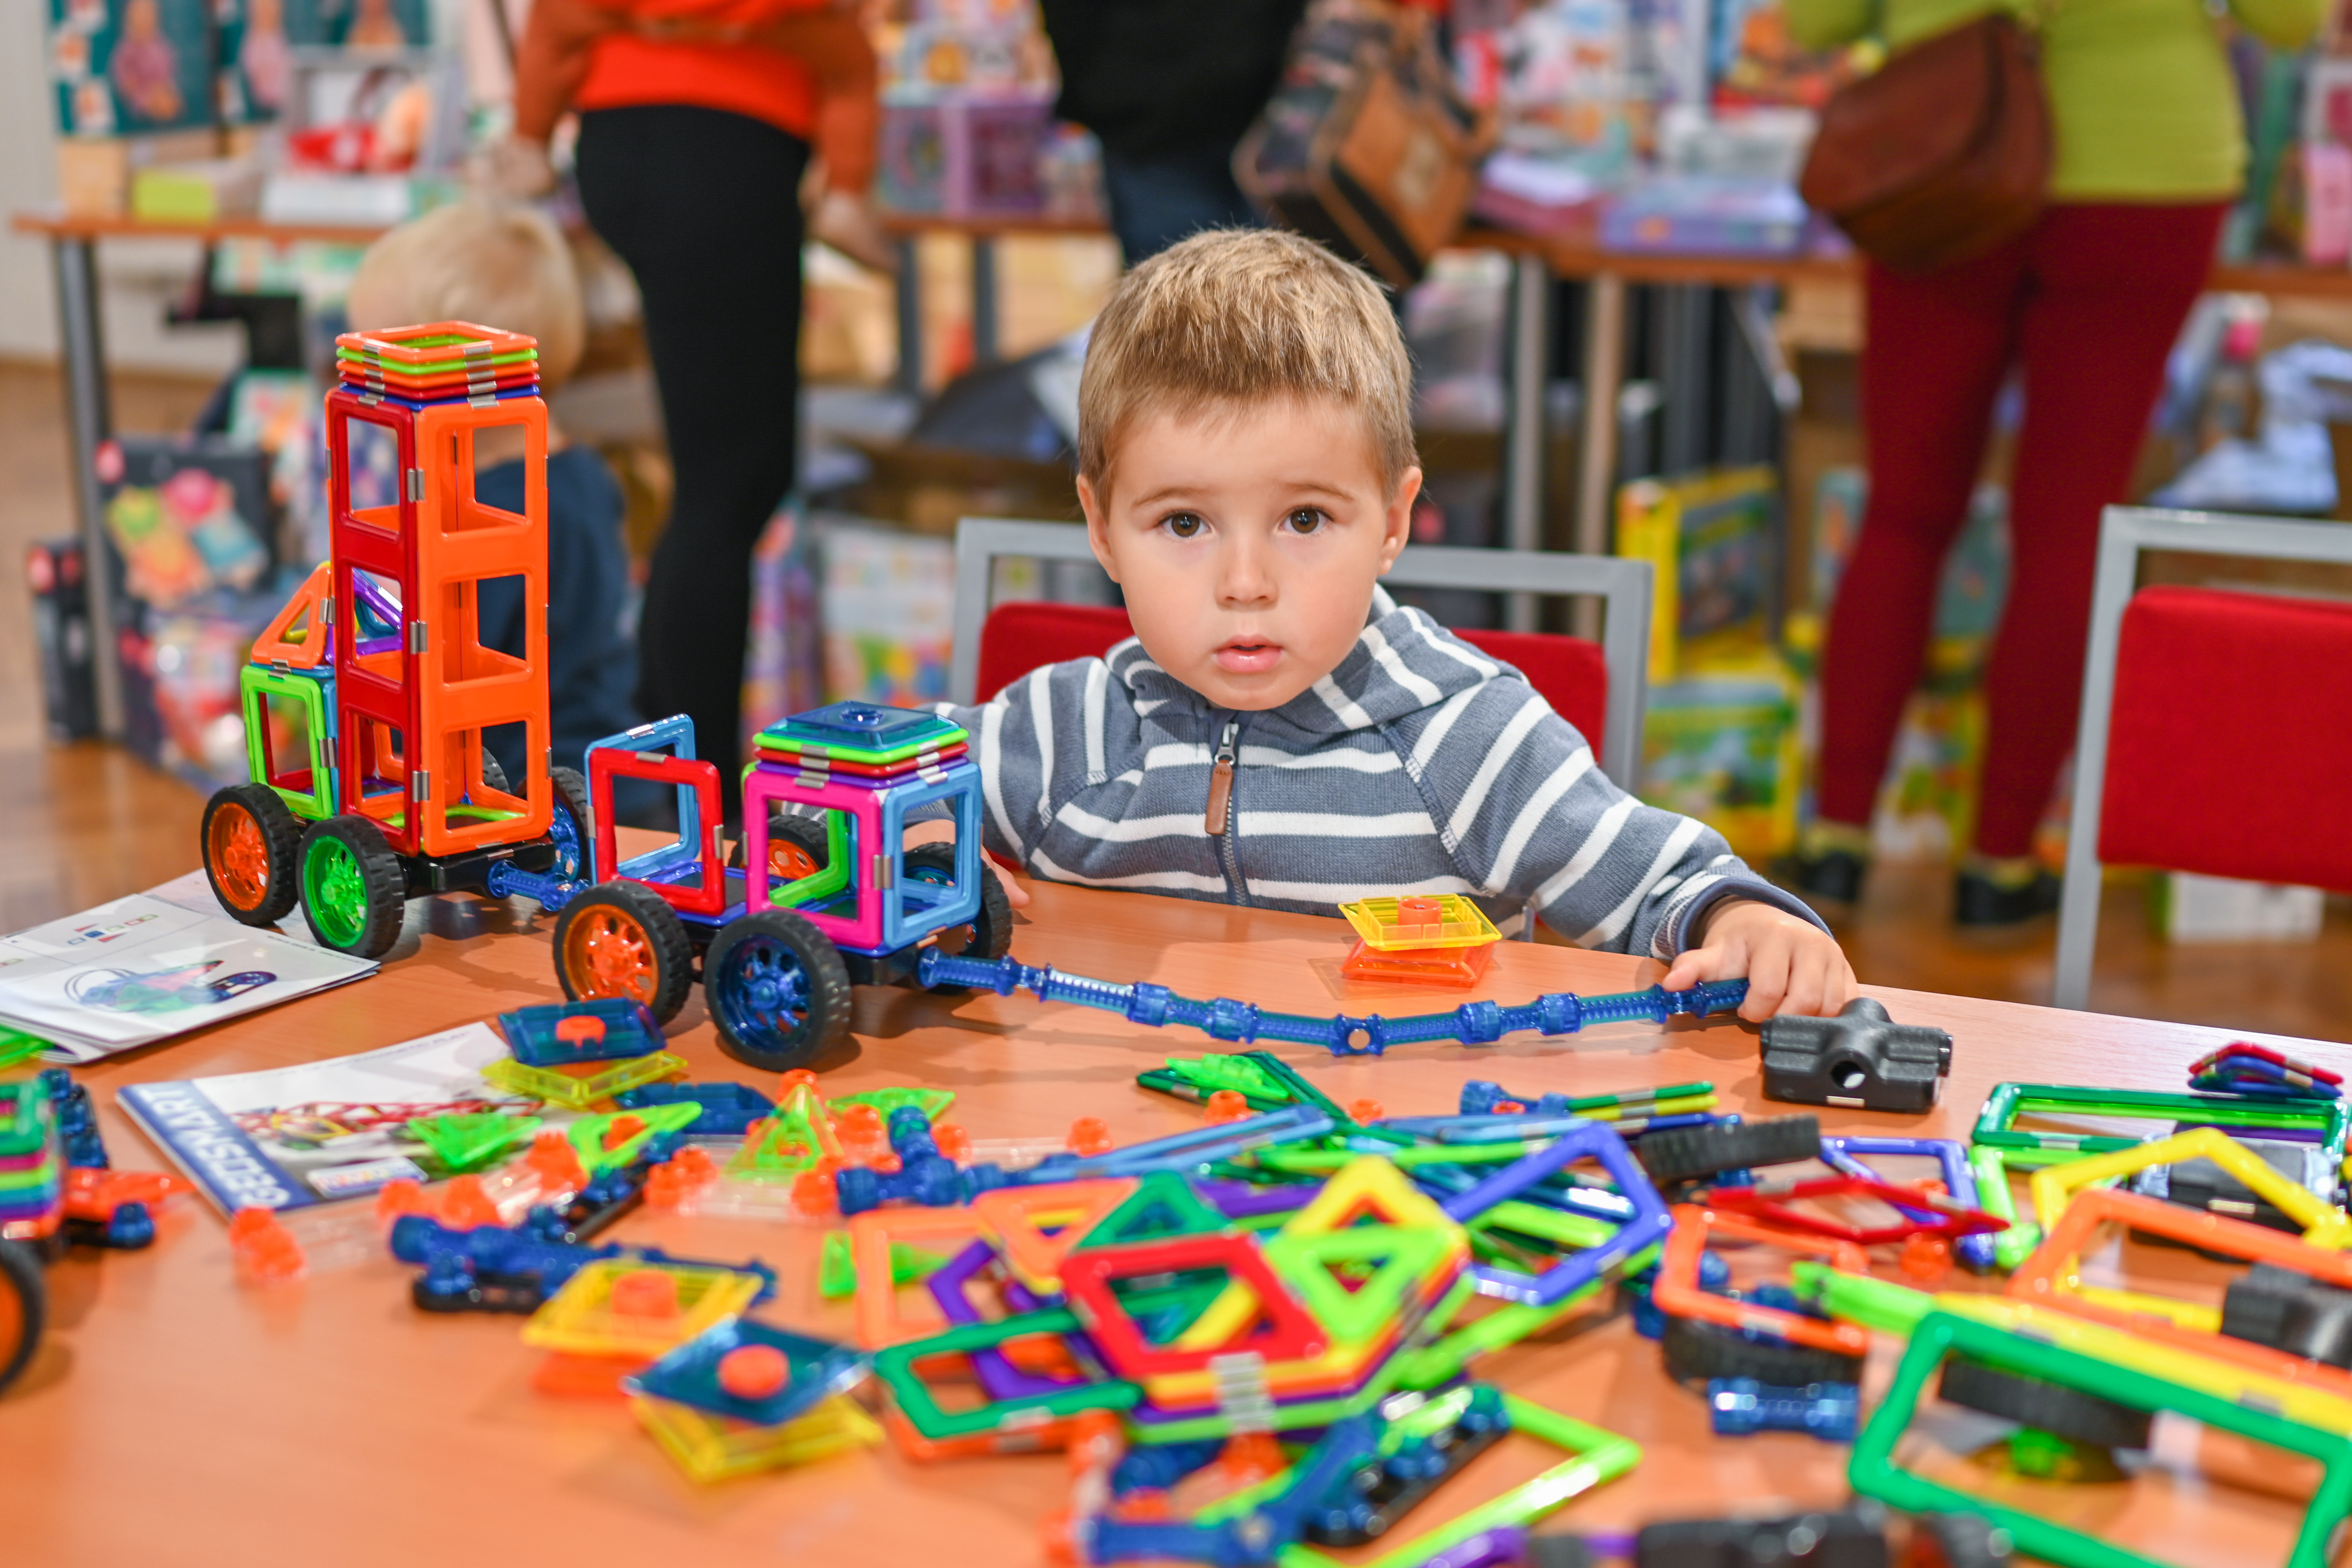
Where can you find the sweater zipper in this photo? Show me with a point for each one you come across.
(1218, 820)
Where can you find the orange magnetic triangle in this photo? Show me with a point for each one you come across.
(1037, 1226)
(281, 642)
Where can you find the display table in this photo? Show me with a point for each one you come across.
(176, 1415)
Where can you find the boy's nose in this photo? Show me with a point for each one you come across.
(1242, 577)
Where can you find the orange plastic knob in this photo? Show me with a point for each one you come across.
(645, 1293)
(754, 1372)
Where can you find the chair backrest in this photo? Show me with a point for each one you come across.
(1570, 673)
(1603, 690)
(2216, 733)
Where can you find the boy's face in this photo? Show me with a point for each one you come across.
(1248, 539)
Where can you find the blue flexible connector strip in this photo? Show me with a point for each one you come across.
(1472, 1024)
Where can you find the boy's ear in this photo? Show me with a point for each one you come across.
(1097, 525)
(1396, 523)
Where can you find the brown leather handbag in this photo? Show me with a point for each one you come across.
(1939, 154)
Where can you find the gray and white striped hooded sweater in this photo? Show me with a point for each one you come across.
(1420, 766)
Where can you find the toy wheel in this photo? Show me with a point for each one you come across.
(777, 989)
(353, 891)
(494, 776)
(1697, 1351)
(24, 1308)
(797, 847)
(619, 939)
(1683, 1154)
(990, 934)
(249, 840)
(2062, 1412)
(570, 825)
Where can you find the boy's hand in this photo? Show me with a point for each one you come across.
(1790, 966)
(943, 832)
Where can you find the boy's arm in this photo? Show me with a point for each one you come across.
(1527, 816)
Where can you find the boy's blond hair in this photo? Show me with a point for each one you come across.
(491, 263)
(1239, 317)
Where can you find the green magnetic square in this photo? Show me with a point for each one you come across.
(24, 1119)
(1996, 1123)
(894, 1365)
(256, 681)
(1940, 1335)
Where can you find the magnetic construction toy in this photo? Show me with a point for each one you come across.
(1472, 1024)
(820, 901)
(1862, 1057)
(378, 658)
(1439, 939)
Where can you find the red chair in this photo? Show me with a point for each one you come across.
(1569, 673)
(1602, 689)
(2216, 735)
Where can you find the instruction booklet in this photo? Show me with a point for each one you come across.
(292, 1137)
(152, 965)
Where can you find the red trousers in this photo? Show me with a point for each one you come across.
(2088, 300)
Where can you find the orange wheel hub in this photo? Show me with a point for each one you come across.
(238, 856)
(608, 953)
(791, 862)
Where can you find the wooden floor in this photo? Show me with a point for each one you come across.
(86, 823)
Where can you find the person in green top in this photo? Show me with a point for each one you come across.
(2148, 150)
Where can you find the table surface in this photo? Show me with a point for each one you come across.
(176, 1416)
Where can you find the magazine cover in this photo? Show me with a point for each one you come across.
(142, 969)
(289, 1138)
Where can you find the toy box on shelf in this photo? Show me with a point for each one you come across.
(783, 665)
(887, 603)
(58, 581)
(1708, 539)
(1721, 745)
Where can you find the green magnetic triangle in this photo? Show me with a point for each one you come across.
(788, 1146)
(1164, 1204)
(467, 1140)
(1213, 1071)
(885, 1101)
(587, 1134)
(1400, 1257)
(836, 1269)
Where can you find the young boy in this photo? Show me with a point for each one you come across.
(1279, 733)
(507, 267)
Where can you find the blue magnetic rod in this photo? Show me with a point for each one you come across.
(1472, 1024)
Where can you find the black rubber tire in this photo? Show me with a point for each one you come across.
(1957, 1541)
(22, 1280)
(988, 935)
(2062, 1412)
(807, 832)
(670, 952)
(1686, 1154)
(281, 835)
(822, 981)
(493, 775)
(1696, 1351)
(572, 795)
(384, 885)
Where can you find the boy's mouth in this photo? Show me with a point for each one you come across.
(1247, 655)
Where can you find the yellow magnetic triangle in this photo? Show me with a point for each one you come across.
(1366, 1186)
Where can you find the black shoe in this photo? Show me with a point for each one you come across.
(1833, 876)
(1978, 900)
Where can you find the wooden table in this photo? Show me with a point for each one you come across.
(177, 1416)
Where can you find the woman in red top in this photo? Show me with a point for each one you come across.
(695, 126)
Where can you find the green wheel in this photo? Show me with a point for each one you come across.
(353, 891)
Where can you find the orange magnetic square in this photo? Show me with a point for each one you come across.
(1038, 1226)
(1456, 967)
(871, 1235)
(1677, 1288)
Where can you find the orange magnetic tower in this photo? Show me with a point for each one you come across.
(380, 654)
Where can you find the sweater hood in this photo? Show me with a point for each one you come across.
(1402, 662)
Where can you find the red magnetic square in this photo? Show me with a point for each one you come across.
(1289, 1333)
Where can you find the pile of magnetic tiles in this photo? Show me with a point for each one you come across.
(1276, 1309)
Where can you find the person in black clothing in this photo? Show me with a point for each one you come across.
(1168, 87)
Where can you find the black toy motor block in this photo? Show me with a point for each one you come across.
(1861, 1058)
(1855, 1538)
(2289, 1311)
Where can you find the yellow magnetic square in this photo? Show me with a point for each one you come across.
(1459, 923)
(2324, 1225)
(583, 1317)
(578, 1093)
(714, 1448)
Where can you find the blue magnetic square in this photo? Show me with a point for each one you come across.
(629, 1031)
(418, 404)
(728, 1108)
(859, 726)
(689, 1375)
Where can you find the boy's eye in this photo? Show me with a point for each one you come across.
(1182, 524)
(1304, 519)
